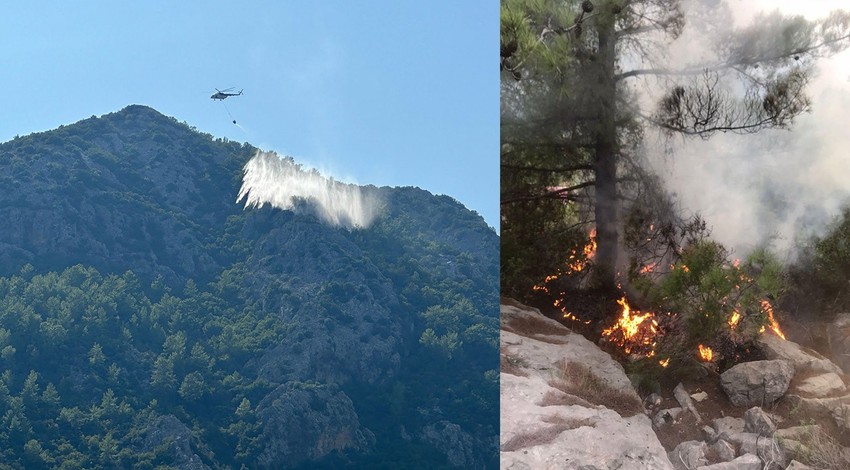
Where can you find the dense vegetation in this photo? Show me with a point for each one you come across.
(147, 321)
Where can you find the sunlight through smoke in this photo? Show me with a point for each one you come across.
(279, 181)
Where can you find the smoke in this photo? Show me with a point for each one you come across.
(284, 184)
(771, 188)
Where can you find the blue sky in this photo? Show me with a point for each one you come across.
(374, 92)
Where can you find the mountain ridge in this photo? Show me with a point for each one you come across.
(265, 311)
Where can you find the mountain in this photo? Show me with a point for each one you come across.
(147, 319)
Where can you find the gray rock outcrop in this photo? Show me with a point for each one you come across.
(757, 421)
(802, 358)
(757, 383)
(744, 462)
(544, 425)
(450, 439)
(171, 431)
(307, 422)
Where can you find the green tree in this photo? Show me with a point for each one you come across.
(571, 124)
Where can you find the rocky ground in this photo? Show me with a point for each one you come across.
(567, 404)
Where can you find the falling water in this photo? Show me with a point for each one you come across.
(282, 183)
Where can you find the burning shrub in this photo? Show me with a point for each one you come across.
(719, 305)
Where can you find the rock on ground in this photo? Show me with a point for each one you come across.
(543, 426)
(744, 462)
(823, 385)
(757, 383)
(802, 358)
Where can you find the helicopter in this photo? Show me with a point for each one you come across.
(220, 95)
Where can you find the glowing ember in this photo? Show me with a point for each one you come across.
(734, 319)
(633, 332)
(705, 353)
(648, 268)
(772, 323)
(665, 362)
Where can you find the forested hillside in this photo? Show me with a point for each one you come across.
(149, 321)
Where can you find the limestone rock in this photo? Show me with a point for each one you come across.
(168, 429)
(765, 447)
(757, 421)
(699, 396)
(544, 427)
(803, 359)
(729, 425)
(685, 401)
(451, 440)
(824, 385)
(757, 383)
(744, 462)
(723, 450)
(665, 416)
(305, 421)
(688, 455)
(794, 465)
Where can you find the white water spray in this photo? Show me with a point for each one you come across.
(279, 181)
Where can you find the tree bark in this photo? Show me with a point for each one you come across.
(605, 164)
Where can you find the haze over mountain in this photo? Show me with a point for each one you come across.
(147, 318)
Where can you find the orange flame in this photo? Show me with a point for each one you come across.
(578, 264)
(772, 323)
(705, 353)
(664, 362)
(633, 331)
(648, 268)
(734, 319)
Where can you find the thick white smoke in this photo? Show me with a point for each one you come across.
(773, 187)
(279, 181)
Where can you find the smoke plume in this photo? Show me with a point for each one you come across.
(774, 187)
(279, 181)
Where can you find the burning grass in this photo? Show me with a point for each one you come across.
(633, 332)
(578, 380)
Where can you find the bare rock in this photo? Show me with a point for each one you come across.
(688, 455)
(543, 426)
(757, 421)
(307, 421)
(665, 416)
(699, 396)
(451, 440)
(685, 401)
(794, 465)
(723, 450)
(757, 383)
(802, 358)
(820, 386)
(744, 462)
(181, 442)
(728, 425)
(653, 399)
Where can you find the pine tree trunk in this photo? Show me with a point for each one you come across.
(605, 165)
